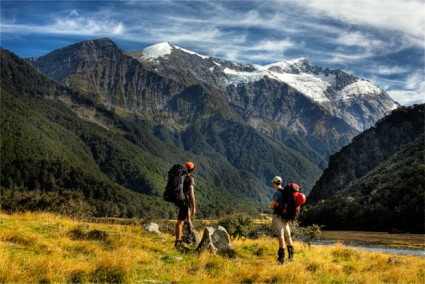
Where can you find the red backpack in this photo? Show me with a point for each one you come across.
(292, 199)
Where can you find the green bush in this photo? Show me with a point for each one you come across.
(306, 234)
(238, 225)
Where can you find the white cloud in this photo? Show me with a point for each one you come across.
(86, 26)
(407, 98)
(72, 24)
(413, 90)
(74, 13)
(273, 45)
(118, 29)
(355, 35)
(357, 38)
(401, 15)
(416, 81)
(390, 70)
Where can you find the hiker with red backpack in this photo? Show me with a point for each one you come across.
(286, 206)
(180, 191)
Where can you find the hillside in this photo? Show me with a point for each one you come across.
(62, 152)
(376, 182)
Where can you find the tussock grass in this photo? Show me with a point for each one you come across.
(45, 248)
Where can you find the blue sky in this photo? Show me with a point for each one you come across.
(378, 40)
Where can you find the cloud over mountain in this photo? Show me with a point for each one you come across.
(353, 36)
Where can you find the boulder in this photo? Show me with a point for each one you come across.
(190, 235)
(152, 227)
(216, 240)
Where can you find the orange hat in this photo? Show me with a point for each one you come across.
(190, 165)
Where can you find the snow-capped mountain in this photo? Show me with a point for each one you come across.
(312, 110)
(359, 102)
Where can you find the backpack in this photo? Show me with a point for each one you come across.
(174, 191)
(292, 199)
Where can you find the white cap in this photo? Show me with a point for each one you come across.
(277, 179)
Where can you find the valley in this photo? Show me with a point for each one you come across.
(90, 130)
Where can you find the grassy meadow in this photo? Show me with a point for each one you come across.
(47, 248)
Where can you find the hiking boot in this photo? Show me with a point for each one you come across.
(290, 253)
(179, 245)
(281, 256)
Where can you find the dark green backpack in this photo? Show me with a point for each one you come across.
(174, 190)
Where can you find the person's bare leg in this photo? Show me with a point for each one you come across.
(179, 229)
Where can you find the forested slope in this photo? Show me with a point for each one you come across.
(63, 153)
(366, 187)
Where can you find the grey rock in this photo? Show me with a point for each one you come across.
(216, 240)
(190, 235)
(152, 227)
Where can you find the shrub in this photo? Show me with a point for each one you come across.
(307, 234)
(237, 225)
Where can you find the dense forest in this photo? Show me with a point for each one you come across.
(377, 182)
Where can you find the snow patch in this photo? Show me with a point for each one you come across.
(157, 50)
(191, 52)
(163, 49)
(312, 86)
(238, 77)
(290, 65)
(357, 89)
(285, 66)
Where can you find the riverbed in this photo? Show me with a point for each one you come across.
(404, 244)
(374, 248)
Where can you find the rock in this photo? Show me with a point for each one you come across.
(152, 227)
(190, 235)
(216, 240)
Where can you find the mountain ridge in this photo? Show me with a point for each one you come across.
(176, 89)
(400, 128)
(377, 181)
(319, 84)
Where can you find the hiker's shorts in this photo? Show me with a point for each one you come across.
(280, 227)
(183, 210)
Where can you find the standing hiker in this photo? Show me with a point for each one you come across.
(187, 207)
(280, 226)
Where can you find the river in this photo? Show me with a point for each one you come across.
(373, 247)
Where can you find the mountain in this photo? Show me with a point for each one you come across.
(369, 150)
(188, 115)
(63, 152)
(356, 101)
(310, 110)
(377, 181)
(325, 107)
(131, 115)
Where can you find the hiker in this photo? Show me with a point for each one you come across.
(187, 208)
(280, 226)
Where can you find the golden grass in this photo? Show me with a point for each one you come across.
(39, 247)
